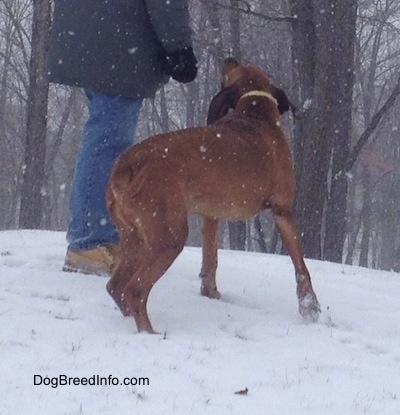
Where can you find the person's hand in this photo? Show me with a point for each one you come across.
(181, 65)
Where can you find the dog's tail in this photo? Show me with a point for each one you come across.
(130, 173)
(127, 179)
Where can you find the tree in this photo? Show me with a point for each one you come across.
(14, 48)
(323, 57)
(237, 229)
(33, 180)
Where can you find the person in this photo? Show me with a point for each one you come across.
(119, 52)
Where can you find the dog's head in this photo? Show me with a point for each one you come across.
(237, 81)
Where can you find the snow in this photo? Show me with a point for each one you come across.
(59, 324)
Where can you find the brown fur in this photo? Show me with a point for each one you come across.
(232, 169)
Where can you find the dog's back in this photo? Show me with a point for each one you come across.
(228, 170)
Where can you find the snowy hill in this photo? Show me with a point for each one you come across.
(56, 325)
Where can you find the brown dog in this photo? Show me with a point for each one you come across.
(231, 169)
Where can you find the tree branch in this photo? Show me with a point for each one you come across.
(355, 152)
(246, 9)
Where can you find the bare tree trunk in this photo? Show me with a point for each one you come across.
(260, 235)
(35, 140)
(234, 17)
(321, 137)
(216, 48)
(237, 230)
(6, 190)
(303, 57)
(344, 27)
(164, 111)
(50, 199)
(192, 105)
(366, 217)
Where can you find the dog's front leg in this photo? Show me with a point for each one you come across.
(210, 258)
(308, 303)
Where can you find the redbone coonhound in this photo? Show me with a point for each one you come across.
(231, 169)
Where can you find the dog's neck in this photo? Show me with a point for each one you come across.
(261, 106)
(257, 93)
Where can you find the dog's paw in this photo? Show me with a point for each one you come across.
(309, 307)
(210, 292)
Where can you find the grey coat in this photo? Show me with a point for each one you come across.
(116, 46)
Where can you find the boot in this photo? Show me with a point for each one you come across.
(98, 261)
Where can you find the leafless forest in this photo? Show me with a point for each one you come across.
(338, 60)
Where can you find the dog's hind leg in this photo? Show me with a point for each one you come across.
(308, 303)
(164, 245)
(210, 258)
(131, 250)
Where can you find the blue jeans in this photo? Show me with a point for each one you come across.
(109, 131)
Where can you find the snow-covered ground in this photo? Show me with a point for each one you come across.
(55, 325)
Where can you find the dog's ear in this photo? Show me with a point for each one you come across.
(229, 64)
(284, 103)
(220, 105)
(223, 101)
